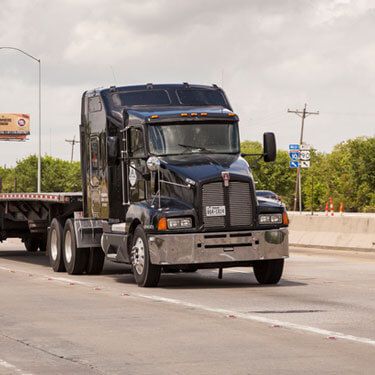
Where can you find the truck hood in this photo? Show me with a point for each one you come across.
(266, 205)
(202, 167)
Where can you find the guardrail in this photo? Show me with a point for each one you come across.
(350, 231)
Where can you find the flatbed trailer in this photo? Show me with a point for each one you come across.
(27, 215)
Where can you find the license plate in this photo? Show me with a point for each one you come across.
(215, 210)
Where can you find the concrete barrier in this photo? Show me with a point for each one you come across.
(351, 232)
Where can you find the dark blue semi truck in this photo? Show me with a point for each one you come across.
(165, 189)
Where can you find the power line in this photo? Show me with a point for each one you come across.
(73, 142)
(303, 114)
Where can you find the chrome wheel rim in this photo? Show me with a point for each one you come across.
(138, 256)
(54, 244)
(68, 246)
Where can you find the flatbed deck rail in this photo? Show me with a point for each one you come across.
(46, 197)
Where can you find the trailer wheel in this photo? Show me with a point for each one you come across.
(54, 246)
(268, 271)
(145, 273)
(31, 244)
(75, 259)
(96, 261)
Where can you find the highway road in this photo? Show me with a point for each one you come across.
(319, 320)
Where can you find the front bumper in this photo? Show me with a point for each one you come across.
(220, 247)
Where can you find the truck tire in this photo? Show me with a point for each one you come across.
(145, 273)
(54, 246)
(43, 244)
(95, 262)
(268, 271)
(75, 259)
(31, 244)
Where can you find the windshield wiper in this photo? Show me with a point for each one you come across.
(199, 148)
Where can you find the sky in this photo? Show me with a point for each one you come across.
(268, 55)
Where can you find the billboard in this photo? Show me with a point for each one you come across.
(14, 126)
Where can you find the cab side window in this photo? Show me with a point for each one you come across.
(137, 148)
(94, 160)
(95, 104)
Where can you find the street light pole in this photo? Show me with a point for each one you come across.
(40, 130)
(39, 178)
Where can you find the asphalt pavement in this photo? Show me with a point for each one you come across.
(320, 319)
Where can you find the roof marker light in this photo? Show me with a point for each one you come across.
(154, 116)
(193, 114)
(231, 114)
(204, 114)
(183, 114)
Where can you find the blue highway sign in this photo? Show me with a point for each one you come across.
(293, 164)
(294, 155)
(294, 146)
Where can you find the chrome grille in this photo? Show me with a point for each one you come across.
(239, 209)
(213, 195)
(240, 206)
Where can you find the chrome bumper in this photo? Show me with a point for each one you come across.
(221, 247)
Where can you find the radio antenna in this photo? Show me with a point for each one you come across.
(114, 76)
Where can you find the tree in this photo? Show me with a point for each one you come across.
(347, 174)
(275, 176)
(57, 175)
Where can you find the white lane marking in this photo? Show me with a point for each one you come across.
(239, 271)
(230, 270)
(44, 276)
(9, 366)
(70, 281)
(261, 319)
(4, 268)
(252, 317)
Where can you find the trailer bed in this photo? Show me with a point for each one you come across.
(26, 215)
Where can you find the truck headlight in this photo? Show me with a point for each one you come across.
(179, 223)
(270, 219)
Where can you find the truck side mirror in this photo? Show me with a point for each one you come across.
(269, 147)
(112, 149)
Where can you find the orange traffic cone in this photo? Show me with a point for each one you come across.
(331, 208)
(341, 208)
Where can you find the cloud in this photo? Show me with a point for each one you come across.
(270, 56)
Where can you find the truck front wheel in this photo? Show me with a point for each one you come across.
(75, 259)
(268, 271)
(145, 273)
(54, 246)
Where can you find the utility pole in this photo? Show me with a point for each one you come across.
(73, 143)
(303, 114)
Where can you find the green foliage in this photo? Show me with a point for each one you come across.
(57, 175)
(274, 176)
(347, 175)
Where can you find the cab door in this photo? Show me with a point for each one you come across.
(137, 165)
(97, 184)
(94, 176)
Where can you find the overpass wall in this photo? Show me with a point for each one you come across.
(351, 232)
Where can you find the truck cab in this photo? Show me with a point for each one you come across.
(165, 185)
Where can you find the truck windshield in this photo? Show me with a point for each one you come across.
(194, 138)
